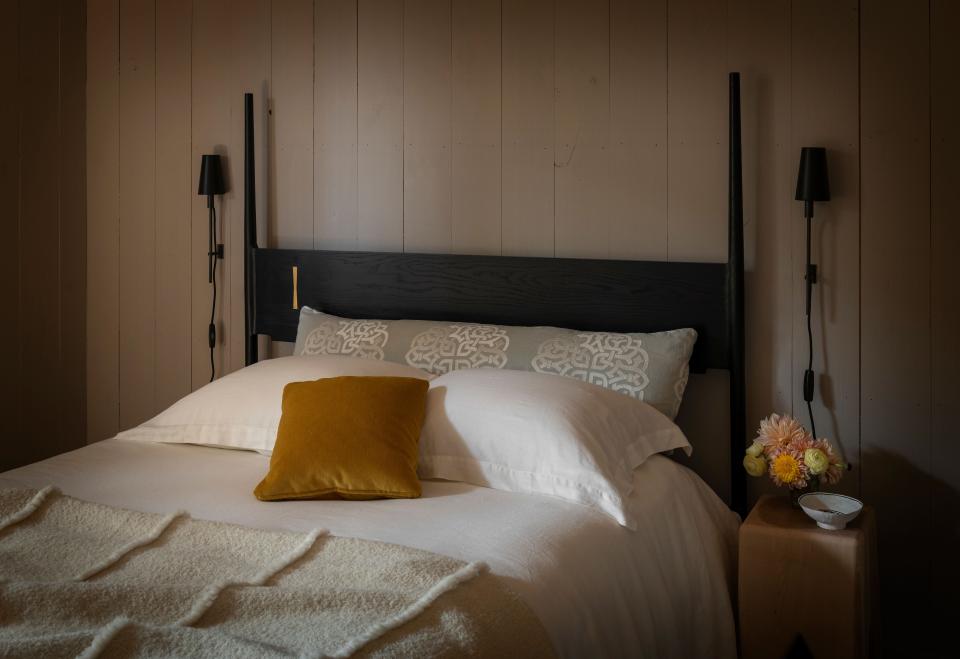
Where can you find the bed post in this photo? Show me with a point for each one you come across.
(735, 317)
(250, 235)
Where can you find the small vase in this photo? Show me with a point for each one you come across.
(795, 495)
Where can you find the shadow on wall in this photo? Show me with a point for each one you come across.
(919, 580)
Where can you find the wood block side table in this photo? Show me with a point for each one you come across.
(796, 579)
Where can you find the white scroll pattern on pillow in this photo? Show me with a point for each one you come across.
(356, 338)
(614, 361)
(447, 348)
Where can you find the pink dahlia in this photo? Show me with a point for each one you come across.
(780, 431)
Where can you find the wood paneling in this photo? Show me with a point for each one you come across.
(335, 125)
(697, 101)
(291, 195)
(582, 129)
(637, 150)
(895, 343)
(427, 221)
(40, 267)
(538, 127)
(210, 88)
(527, 115)
(945, 301)
(72, 200)
(43, 219)
(138, 221)
(824, 112)
(380, 124)
(173, 198)
(103, 254)
(250, 41)
(475, 109)
(760, 50)
(10, 390)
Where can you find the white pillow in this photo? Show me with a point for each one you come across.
(543, 434)
(242, 410)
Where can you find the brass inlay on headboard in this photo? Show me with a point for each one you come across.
(296, 304)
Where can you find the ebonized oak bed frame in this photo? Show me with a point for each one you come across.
(586, 294)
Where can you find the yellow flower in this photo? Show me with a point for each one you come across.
(756, 448)
(816, 460)
(754, 464)
(786, 468)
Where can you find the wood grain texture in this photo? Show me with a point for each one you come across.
(73, 238)
(103, 255)
(895, 337)
(945, 302)
(582, 129)
(10, 394)
(824, 111)
(427, 220)
(696, 82)
(475, 113)
(594, 295)
(39, 343)
(174, 192)
(780, 548)
(335, 125)
(292, 59)
(759, 47)
(636, 201)
(527, 171)
(380, 124)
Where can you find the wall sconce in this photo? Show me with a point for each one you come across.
(211, 184)
(813, 184)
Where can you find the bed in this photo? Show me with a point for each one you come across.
(595, 587)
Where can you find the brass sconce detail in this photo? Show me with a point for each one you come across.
(296, 304)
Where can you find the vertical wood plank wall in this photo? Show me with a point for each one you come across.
(42, 211)
(536, 127)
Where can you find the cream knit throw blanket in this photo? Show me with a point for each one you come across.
(83, 579)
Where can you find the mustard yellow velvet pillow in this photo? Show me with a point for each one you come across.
(347, 438)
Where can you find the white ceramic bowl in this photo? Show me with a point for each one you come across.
(830, 511)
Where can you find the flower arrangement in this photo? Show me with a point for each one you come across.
(791, 455)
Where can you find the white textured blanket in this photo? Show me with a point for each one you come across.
(83, 579)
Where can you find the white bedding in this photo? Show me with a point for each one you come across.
(598, 588)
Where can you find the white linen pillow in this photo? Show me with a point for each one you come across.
(242, 410)
(541, 434)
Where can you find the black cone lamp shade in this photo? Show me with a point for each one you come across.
(211, 177)
(813, 184)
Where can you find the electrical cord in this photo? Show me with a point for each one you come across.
(213, 279)
(813, 425)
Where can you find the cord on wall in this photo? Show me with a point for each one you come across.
(813, 184)
(211, 184)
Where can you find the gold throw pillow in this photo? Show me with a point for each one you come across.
(347, 438)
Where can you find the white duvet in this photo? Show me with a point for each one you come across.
(599, 589)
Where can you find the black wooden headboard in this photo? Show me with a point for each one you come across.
(586, 294)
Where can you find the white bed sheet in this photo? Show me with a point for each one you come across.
(598, 588)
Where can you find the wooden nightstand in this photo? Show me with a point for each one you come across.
(799, 580)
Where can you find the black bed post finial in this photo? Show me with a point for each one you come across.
(735, 302)
(250, 234)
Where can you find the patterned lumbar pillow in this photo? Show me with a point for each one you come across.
(651, 367)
